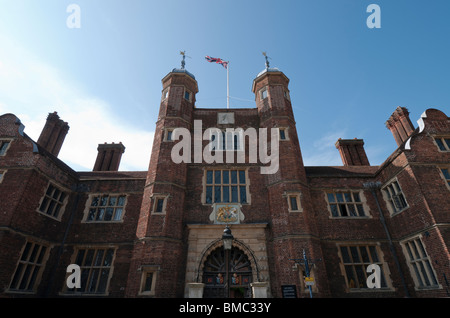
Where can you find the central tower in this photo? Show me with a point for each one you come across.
(178, 224)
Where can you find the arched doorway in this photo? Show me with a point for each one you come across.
(215, 274)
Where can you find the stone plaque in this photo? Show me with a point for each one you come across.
(289, 291)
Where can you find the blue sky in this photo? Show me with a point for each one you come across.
(104, 78)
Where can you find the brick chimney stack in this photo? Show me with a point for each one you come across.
(108, 157)
(400, 125)
(352, 152)
(53, 134)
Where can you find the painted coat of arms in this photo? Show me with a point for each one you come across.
(227, 213)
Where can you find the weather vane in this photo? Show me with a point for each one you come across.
(267, 59)
(183, 61)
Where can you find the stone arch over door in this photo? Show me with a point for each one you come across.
(243, 270)
(205, 238)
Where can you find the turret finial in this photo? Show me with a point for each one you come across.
(267, 59)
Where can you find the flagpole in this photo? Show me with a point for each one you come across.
(228, 85)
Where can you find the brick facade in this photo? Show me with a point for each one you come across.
(150, 233)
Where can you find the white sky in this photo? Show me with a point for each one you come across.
(35, 86)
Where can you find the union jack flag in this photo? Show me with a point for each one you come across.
(217, 60)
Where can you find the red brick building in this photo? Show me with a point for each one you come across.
(158, 233)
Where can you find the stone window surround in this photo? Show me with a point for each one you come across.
(165, 93)
(2, 175)
(247, 184)
(409, 262)
(382, 262)
(76, 249)
(9, 141)
(186, 91)
(88, 206)
(145, 269)
(155, 197)
(362, 196)
(42, 265)
(391, 210)
(64, 203)
(294, 194)
(286, 133)
(262, 91)
(441, 137)
(287, 95)
(447, 181)
(265, 90)
(166, 134)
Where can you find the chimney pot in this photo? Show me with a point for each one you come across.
(108, 157)
(53, 133)
(352, 152)
(400, 125)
